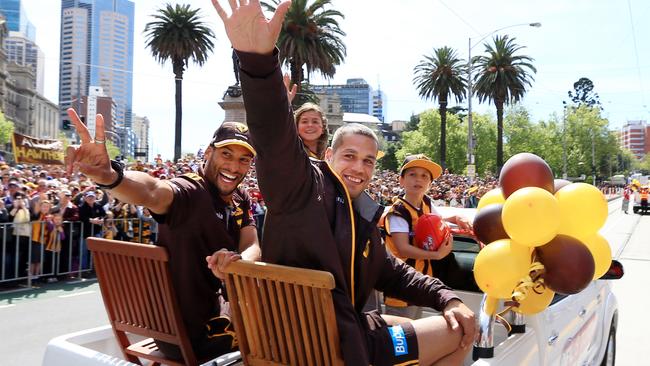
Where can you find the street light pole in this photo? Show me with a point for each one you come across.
(564, 157)
(470, 130)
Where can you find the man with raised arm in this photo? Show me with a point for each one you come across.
(319, 216)
(204, 217)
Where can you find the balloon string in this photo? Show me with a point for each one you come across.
(503, 321)
(532, 282)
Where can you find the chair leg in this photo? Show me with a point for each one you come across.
(124, 344)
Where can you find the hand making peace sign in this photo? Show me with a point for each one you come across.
(91, 157)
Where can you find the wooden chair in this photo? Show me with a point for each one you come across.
(139, 298)
(283, 315)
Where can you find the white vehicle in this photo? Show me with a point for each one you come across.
(574, 330)
(618, 180)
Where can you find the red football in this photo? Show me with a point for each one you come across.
(431, 232)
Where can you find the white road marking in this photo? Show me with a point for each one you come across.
(7, 306)
(77, 294)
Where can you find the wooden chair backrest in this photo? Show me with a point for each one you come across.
(138, 294)
(283, 315)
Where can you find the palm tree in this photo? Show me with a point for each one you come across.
(310, 36)
(502, 78)
(438, 77)
(178, 34)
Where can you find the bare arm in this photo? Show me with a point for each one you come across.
(404, 249)
(249, 244)
(462, 222)
(142, 189)
(91, 158)
(249, 249)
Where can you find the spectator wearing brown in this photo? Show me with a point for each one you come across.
(205, 223)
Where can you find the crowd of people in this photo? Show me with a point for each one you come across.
(44, 210)
(46, 214)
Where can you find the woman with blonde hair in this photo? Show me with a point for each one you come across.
(311, 124)
(312, 128)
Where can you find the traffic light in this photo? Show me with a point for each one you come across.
(66, 125)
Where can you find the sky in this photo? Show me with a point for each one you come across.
(602, 40)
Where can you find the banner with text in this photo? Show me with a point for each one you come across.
(33, 150)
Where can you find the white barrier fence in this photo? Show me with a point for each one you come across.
(25, 258)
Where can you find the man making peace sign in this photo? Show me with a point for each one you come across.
(203, 217)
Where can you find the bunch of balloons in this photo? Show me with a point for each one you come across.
(541, 235)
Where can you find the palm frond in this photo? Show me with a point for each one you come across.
(178, 34)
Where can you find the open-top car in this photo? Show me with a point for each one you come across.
(578, 329)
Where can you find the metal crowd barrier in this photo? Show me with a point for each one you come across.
(73, 258)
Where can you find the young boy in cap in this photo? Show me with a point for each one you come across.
(319, 216)
(399, 223)
(203, 217)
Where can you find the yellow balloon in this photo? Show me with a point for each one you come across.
(583, 210)
(601, 251)
(534, 302)
(490, 197)
(500, 266)
(531, 217)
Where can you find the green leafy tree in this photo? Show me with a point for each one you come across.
(389, 161)
(426, 140)
(413, 123)
(440, 76)
(310, 37)
(583, 93)
(524, 135)
(113, 151)
(485, 130)
(643, 165)
(625, 161)
(6, 129)
(179, 35)
(585, 126)
(502, 78)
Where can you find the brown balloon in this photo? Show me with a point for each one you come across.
(560, 183)
(569, 266)
(487, 224)
(525, 170)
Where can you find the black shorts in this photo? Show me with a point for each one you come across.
(390, 345)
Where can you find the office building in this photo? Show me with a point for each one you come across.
(16, 17)
(24, 52)
(635, 136)
(141, 126)
(97, 49)
(355, 95)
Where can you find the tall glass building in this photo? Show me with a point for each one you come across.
(356, 96)
(17, 18)
(25, 52)
(97, 50)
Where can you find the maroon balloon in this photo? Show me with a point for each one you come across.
(569, 266)
(525, 170)
(487, 224)
(560, 183)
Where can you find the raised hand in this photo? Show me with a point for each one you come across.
(91, 157)
(291, 91)
(247, 27)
